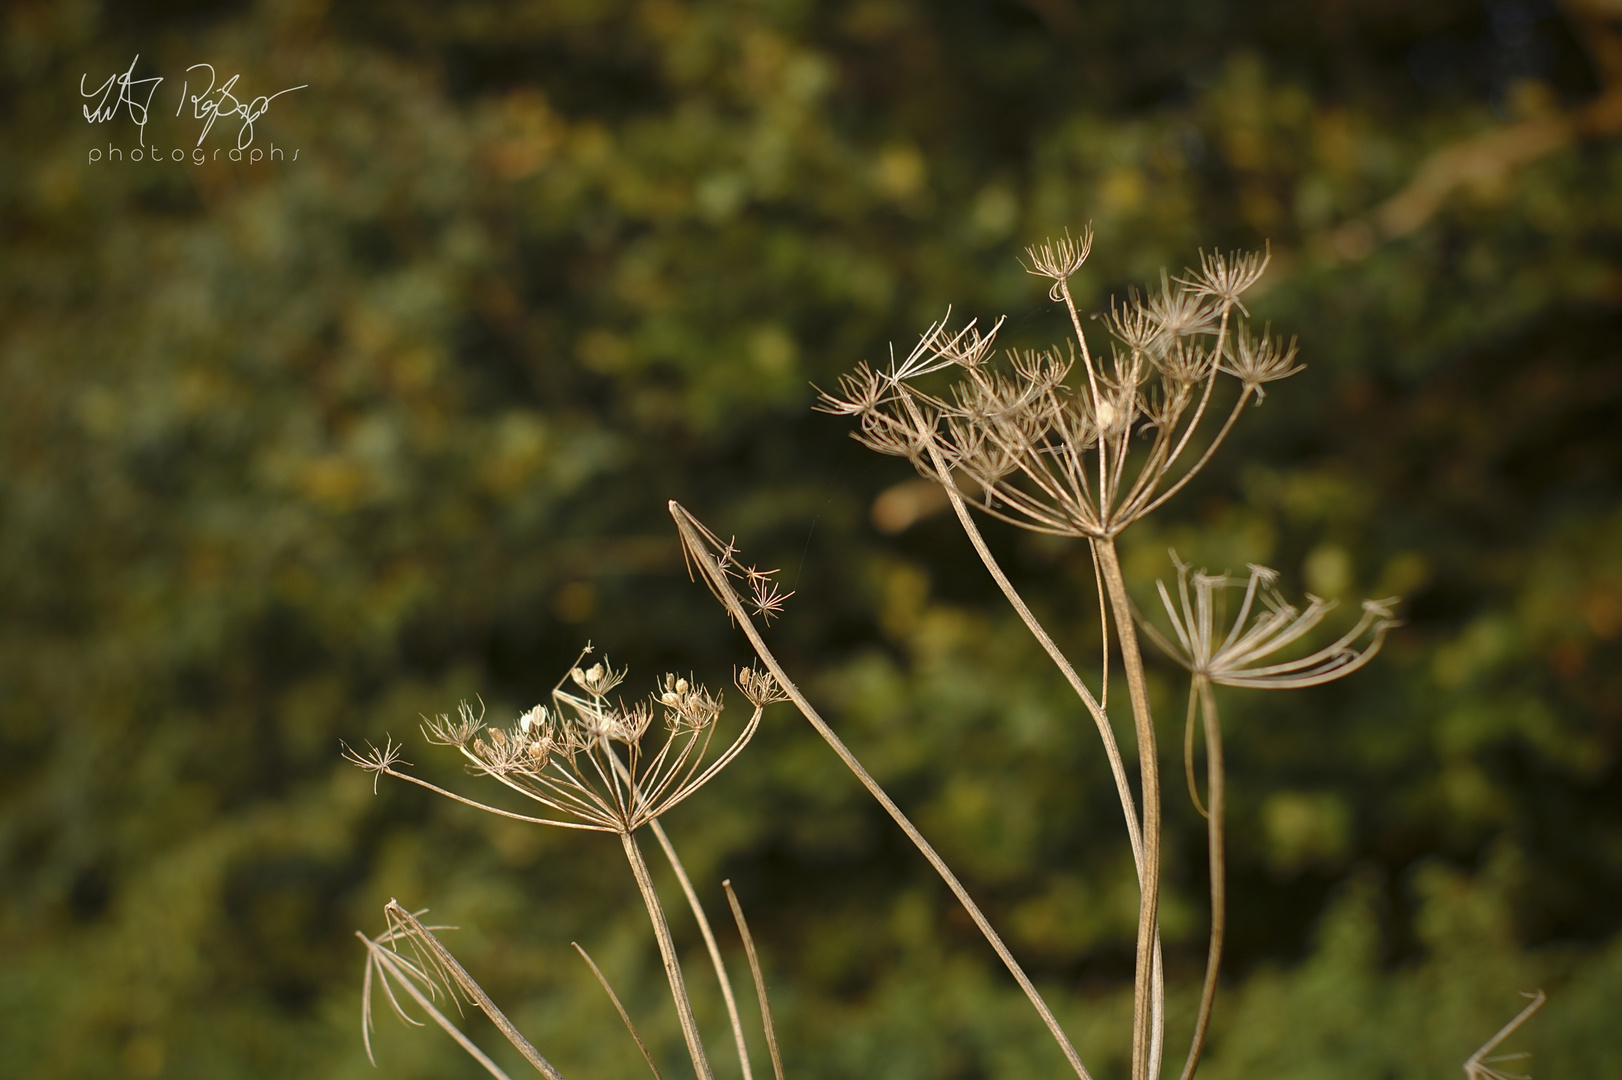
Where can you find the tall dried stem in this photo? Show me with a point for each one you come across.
(667, 952)
(1216, 799)
(709, 943)
(1126, 632)
(1095, 708)
(701, 548)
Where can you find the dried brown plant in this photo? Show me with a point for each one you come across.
(1064, 441)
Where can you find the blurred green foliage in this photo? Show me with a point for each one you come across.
(294, 451)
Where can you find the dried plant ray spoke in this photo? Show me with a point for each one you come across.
(709, 943)
(625, 1017)
(1479, 1065)
(434, 967)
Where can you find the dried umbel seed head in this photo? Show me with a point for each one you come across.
(1226, 277)
(459, 732)
(686, 706)
(1258, 360)
(691, 708)
(583, 756)
(598, 679)
(1265, 624)
(760, 688)
(674, 691)
(1059, 259)
(1179, 313)
(1057, 453)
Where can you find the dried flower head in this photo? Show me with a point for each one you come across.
(598, 679)
(585, 757)
(764, 592)
(1059, 259)
(761, 688)
(1265, 623)
(1059, 456)
(444, 731)
(1226, 277)
(688, 707)
(1258, 360)
(375, 761)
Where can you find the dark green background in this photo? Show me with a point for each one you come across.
(293, 452)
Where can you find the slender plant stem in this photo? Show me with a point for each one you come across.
(760, 980)
(618, 1007)
(1149, 779)
(697, 547)
(1216, 780)
(667, 950)
(1100, 719)
(709, 943)
(1475, 1067)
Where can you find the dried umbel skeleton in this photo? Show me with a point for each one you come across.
(1061, 443)
(581, 757)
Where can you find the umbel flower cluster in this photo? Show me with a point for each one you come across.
(1047, 448)
(583, 756)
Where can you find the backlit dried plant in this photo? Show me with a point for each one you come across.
(1230, 655)
(1072, 442)
(583, 757)
(1064, 441)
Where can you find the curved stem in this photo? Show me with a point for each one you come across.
(667, 951)
(1100, 719)
(1143, 1005)
(1216, 779)
(709, 942)
(389, 964)
(696, 545)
